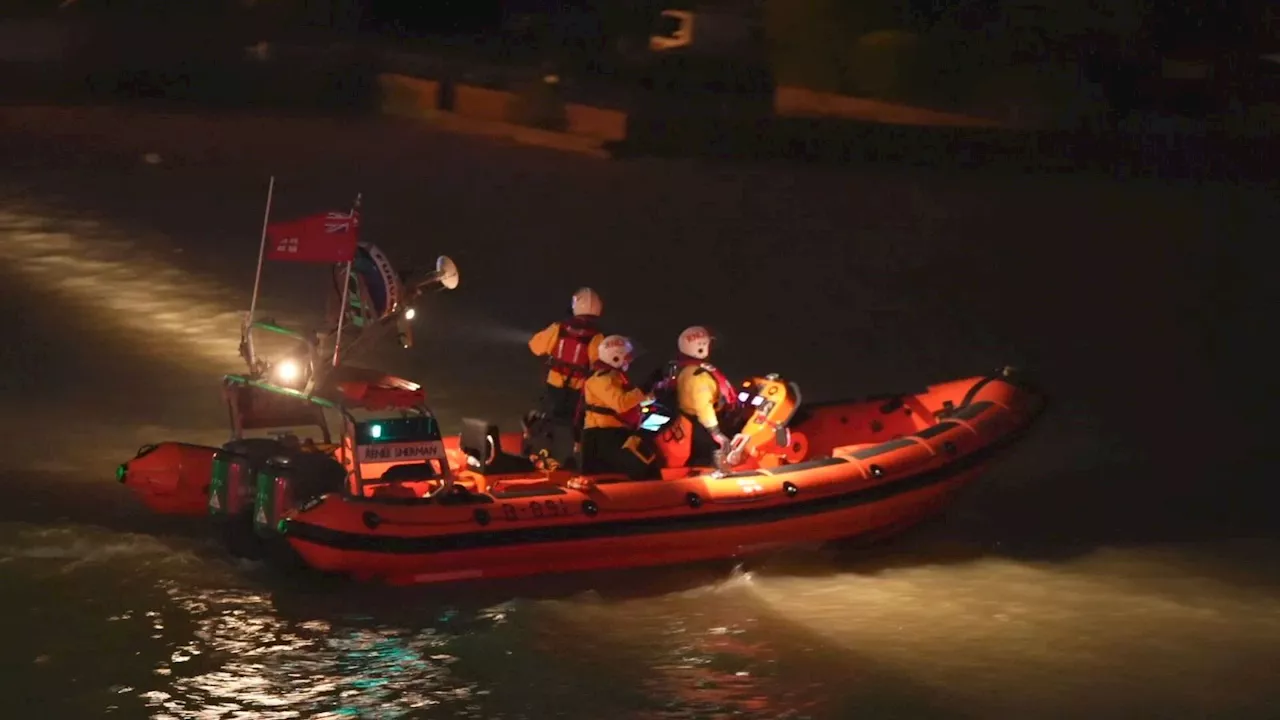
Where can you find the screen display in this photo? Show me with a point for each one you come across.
(395, 430)
(653, 422)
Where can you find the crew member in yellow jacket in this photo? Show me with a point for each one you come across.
(703, 393)
(571, 347)
(610, 406)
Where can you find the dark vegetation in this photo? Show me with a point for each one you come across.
(1086, 78)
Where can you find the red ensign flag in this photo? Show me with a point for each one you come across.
(321, 238)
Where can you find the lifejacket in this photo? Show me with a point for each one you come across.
(630, 418)
(673, 445)
(571, 356)
(728, 396)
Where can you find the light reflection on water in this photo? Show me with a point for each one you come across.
(99, 269)
(266, 666)
(247, 658)
(1113, 631)
(124, 286)
(189, 635)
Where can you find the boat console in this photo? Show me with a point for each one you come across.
(772, 403)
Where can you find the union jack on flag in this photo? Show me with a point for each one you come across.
(336, 222)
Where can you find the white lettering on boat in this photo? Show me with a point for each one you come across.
(396, 452)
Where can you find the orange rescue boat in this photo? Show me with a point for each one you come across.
(795, 475)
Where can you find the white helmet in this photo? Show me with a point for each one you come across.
(695, 342)
(616, 352)
(587, 302)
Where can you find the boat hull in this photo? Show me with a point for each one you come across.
(847, 518)
(885, 465)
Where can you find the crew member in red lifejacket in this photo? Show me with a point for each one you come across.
(571, 348)
(610, 407)
(703, 395)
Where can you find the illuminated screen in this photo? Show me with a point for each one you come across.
(397, 430)
(654, 422)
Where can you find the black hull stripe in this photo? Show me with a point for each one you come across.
(686, 521)
(883, 448)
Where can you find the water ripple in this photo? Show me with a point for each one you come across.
(254, 663)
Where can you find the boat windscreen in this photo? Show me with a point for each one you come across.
(258, 409)
(397, 430)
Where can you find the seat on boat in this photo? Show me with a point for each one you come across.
(403, 481)
(394, 490)
(484, 451)
(410, 472)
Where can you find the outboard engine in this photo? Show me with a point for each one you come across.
(288, 480)
(233, 488)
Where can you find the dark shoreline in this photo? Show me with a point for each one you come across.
(341, 81)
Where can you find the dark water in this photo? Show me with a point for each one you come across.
(1121, 563)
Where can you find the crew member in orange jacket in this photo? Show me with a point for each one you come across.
(703, 394)
(571, 348)
(611, 407)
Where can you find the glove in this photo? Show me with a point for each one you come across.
(652, 381)
(718, 436)
(531, 418)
